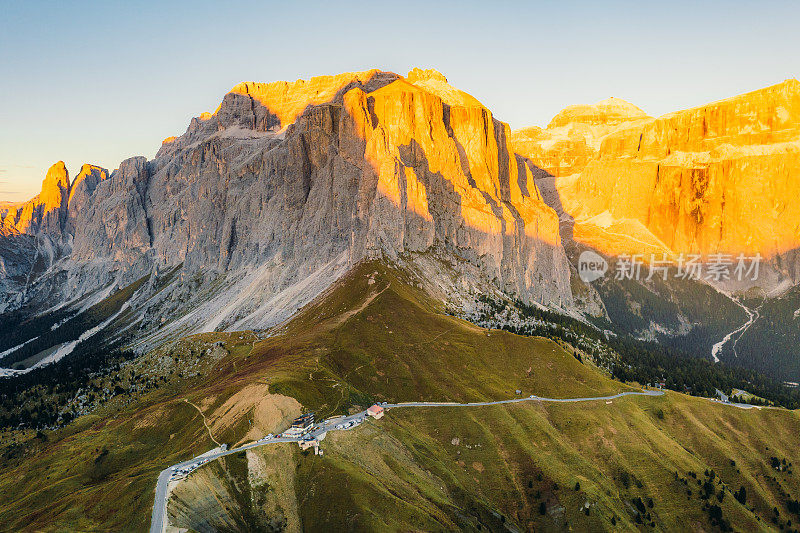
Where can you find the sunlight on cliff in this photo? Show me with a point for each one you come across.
(417, 195)
(287, 100)
(715, 178)
(416, 140)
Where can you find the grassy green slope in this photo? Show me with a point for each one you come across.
(398, 346)
(376, 336)
(498, 465)
(98, 473)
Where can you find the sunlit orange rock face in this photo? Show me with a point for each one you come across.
(574, 135)
(723, 177)
(284, 101)
(423, 134)
(446, 163)
(436, 169)
(50, 211)
(46, 210)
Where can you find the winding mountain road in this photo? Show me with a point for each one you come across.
(531, 398)
(159, 517)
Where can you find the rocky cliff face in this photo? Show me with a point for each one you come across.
(53, 211)
(18, 258)
(574, 136)
(37, 233)
(265, 202)
(717, 178)
(46, 212)
(80, 194)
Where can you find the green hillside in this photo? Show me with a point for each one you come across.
(637, 462)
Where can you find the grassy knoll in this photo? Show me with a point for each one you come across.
(400, 347)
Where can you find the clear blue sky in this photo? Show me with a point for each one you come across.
(100, 82)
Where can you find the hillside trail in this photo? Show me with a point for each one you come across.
(205, 421)
(344, 317)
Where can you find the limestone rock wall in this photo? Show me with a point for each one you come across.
(285, 180)
(574, 136)
(46, 212)
(717, 178)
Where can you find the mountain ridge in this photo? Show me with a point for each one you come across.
(303, 180)
(256, 208)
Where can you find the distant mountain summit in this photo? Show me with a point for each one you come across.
(716, 178)
(49, 212)
(609, 112)
(574, 135)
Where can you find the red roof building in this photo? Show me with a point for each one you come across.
(376, 411)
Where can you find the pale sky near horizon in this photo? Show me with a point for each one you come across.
(97, 82)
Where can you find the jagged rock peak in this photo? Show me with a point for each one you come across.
(85, 182)
(54, 209)
(55, 188)
(44, 212)
(57, 176)
(88, 170)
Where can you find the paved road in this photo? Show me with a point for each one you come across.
(160, 507)
(158, 519)
(524, 399)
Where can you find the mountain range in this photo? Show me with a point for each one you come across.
(328, 244)
(261, 205)
(719, 178)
